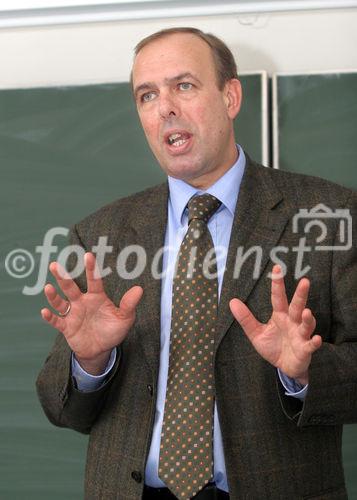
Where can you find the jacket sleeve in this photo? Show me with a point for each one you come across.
(62, 402)
(331, 398)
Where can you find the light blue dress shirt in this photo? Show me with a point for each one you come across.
(226, 189)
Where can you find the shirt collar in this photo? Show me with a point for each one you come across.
(225, 189)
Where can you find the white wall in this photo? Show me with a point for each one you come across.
(79, 54)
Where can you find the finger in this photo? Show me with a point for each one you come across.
(313, 344)
(54, 299)
(308, 323)
(129, 302)
(279, 299)
(65, 282)
(53, 319)
(94, 280)
(245, 318)
(298, 302)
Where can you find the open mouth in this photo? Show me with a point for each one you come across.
(178, 139)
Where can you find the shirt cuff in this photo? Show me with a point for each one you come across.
(293, 387)
(87, 382)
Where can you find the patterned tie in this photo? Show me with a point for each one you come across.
(186, 459)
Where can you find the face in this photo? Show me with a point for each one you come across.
(187, 120)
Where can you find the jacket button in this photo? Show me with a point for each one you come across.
(150, 389)
(136, 475)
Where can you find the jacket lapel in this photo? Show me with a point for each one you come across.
(147, 228)
(260, 218)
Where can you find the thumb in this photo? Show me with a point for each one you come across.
(244, 317)
(129, 301)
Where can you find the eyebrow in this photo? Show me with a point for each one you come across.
(150, 85)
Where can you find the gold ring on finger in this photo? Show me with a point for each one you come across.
(66, 311)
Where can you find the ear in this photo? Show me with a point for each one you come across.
(233, 97)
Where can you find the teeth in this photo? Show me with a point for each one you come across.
(179, 143)
(174, 140)
(173, 137)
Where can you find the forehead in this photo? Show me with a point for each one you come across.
(176, 53)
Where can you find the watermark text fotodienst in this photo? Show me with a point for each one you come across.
(20, 263)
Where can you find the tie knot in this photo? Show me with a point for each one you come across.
(202, 207)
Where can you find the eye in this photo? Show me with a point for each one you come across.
(149, 96)
(185, 86)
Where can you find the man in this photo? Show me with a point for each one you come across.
(273, 378)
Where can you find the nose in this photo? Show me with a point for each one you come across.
(168, 106)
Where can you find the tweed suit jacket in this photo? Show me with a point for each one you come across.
(275, 447)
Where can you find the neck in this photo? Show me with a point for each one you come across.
(205, 181)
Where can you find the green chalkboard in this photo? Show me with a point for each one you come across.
(64, 152)
(315, 118)
(316, 125)
(251, 124)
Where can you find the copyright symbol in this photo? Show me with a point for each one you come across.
(19, 263)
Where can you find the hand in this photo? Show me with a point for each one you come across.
(286, 341)
(94, 325)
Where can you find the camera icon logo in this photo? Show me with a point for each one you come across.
(317, 216)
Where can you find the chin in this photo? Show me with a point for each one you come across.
(183, 173)
(184, 169)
